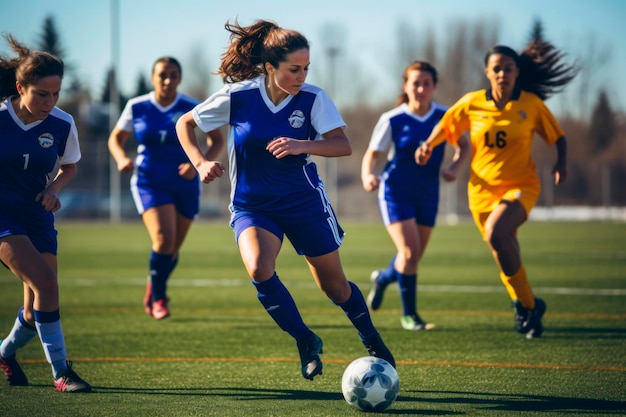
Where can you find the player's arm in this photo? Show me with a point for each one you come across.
(116, 142)
(208, 170)
(370, 180)
(215, 141)
(462, 152)
(425, 150)
(49, 197)
(560, 168)
(334, 143)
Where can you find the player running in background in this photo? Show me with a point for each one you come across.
(164, 185)
(277, 121)
(35, 137)
(408, 193)
(503, 185)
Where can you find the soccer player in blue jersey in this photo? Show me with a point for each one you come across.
(277, 121)
(165, 186)
(408, 193)
(35, 137)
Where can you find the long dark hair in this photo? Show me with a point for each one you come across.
(252, 46)
(541, 70)
(27, 68)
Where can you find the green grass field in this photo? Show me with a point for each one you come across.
(221, 355)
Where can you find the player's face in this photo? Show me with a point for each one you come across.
(419, 87)
(501, 72)
(39, 98)
(291, 73)
(165, 78)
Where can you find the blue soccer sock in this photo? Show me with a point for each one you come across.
(407, 284)
(160, 268)
(49, 328)
(358, 313)
(20, 335)
(388, 275)
(280, 305)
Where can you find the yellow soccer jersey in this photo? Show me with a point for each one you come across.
(501, 140)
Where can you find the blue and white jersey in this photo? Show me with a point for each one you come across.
(159, 152)
(259, 181)
(400, 132)
(29, 153)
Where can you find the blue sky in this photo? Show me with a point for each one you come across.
(152, 28)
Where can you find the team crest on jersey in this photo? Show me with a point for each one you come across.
(296, 120)
(46, 140)
(522, 114)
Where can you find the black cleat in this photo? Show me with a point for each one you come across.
(12, 370)
(375, 297)
(71, 382)
(378, 349)
(310, 348)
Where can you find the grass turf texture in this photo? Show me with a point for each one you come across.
(221, 355)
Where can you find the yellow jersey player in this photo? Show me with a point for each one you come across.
(503, 186)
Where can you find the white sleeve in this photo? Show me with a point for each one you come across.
(72, 147)
(213, 112)
(381, 135)
(125, 122)
(324, 114)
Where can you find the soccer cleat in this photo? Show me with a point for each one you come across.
(375, 297)
(535, 328)
(160, 310)
(415, 322)
(310, 349)
(527, 321)
(147, 298)
(12, 370)
(378, 349)
(71, 382)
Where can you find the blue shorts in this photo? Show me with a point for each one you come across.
(309, 239)
(43, 235)
(186, 198)
(393, 212)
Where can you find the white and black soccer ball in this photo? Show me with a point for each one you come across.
(370, 384)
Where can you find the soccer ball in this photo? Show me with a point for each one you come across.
(370, 384)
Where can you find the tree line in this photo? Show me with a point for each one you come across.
(596, 131)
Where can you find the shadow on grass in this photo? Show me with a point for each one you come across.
(518, 402)
(426, 402)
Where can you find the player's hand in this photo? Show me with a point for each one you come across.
(126, 166)
(49, 200)
(281, 147)
(422, 154)
(370, 182)
(560, 173)
(210, 170)
(187, 171)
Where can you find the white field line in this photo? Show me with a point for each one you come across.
(179, 282)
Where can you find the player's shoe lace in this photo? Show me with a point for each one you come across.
(310, 348)
(377, 348)
(71, 382)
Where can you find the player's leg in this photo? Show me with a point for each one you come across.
(160, 222)
(23, 331)
(501, 235)
(259, 247)
(330, 278)
(38, 271)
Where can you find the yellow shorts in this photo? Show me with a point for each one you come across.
(481, 205)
